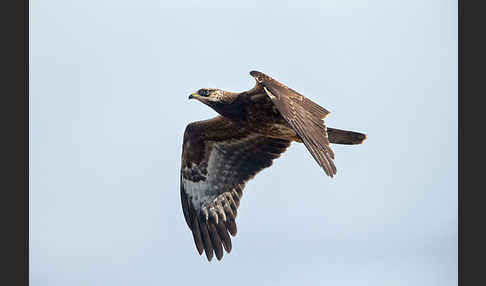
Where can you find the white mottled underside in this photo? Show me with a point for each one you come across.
(220, 172)
(203, 192)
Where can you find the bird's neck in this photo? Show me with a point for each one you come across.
(234, 111)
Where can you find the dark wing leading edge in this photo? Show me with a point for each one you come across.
(304, 116)
(218, 158)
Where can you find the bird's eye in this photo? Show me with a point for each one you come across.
(203, 92)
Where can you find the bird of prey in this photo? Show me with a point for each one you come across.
(221, 154)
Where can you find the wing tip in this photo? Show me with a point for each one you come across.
(332, 172)
(219, 225)
(255, 73)
(259, 76)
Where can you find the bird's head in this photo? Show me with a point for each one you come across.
(209, 95)
(219, 100)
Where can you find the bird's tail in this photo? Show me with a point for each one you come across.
(337, 136)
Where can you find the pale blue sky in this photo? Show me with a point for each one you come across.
(109, 82)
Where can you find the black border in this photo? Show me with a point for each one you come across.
(471, 116)
(460, 216)
(14, 116)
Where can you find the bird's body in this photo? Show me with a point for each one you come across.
(260, 116)
(221, 154)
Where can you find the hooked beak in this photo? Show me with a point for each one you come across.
(194, 95)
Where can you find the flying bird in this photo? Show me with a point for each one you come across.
(221, 154)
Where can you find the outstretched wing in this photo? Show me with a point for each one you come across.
(218, 158)
(303, 115)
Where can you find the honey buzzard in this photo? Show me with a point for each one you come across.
(221, 154)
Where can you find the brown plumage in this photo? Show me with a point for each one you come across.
(223, 153)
